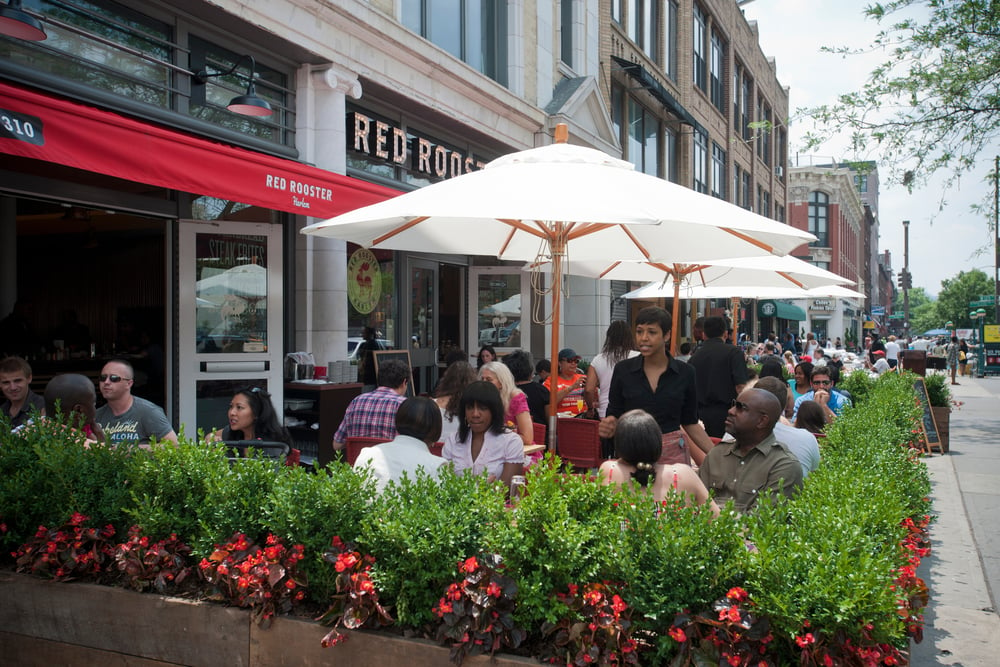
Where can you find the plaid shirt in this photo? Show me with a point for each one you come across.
(371, 415)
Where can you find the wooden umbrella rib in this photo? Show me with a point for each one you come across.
(640, 246)
(535, 230)
(749, 239)
(399, 230)
(789, 278)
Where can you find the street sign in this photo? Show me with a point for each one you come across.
(983, 301)
(896, 316)
(878, 310)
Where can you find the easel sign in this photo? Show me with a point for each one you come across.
(401, 355)
(928, 425)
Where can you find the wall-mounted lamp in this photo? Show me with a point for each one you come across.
(15, 22)
(247, 105)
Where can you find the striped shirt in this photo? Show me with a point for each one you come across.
(371, 415)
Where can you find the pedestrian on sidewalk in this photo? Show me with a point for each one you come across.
(953, 350)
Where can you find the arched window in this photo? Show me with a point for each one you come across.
(819, 218)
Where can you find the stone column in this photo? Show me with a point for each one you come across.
(321, 263)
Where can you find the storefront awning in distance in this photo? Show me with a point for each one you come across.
(39, 126)
(781, 310)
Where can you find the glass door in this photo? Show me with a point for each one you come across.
(499, 301)
(230, 315)
(421, 315)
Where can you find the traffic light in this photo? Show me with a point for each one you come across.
(905, 281)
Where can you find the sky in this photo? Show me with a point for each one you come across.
(942, 242)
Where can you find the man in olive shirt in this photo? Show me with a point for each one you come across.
(756, 463)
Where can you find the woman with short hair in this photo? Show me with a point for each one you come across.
(418, 426)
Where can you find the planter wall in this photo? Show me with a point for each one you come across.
(47, 623)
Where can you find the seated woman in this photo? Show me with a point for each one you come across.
(418, 426)
(811, 417)
(449, 393)
(252, 417)
(638, 445)
(482, 443)
(515, 402)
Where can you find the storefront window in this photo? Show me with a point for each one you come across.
(499, 309)
(231, 293)
(371, 296)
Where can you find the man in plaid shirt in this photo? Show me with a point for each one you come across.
(373, 415)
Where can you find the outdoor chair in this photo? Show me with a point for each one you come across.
(578, 443)
(355, 444)
(539, 437)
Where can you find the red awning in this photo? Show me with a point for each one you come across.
(46, 128)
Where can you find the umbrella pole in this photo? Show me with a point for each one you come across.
(736, 318)
(676, 316)
(558, 249)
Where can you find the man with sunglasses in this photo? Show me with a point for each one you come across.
(832, 401)
(128, 419)
(755, 463)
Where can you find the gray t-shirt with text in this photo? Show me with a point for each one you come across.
(137, 425)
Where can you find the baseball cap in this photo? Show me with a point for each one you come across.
(569, 354)
(878, 353)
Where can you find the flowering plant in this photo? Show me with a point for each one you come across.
(355, 604)
(162, 565)
(477, 612)
(601, 632)
(264, 579)
(730, 633)
(68, 552)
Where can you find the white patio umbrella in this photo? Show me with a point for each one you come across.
(562, 201)
(657, 290)
(722, 278)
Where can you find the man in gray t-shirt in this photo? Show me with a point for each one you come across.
(127, 418)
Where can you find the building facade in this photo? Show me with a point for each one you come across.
(695, 100)
(825, 201)
(137, 204)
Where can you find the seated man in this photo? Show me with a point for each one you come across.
(15, 383)
(800, 442)
(127, 418)
(756, 462)
(832, 401)
(373, 415)
(71, 399)
(418, 424)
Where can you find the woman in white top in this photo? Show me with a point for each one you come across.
(638, 446)
(482, 443)
(619, 344)
(515, 404)
(456, 378)
(418, 425)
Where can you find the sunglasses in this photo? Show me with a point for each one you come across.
(113, 378)
(743, 407)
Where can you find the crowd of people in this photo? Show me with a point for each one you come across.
(717, 423)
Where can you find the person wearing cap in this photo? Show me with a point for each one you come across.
(570, 383)
(881, 363)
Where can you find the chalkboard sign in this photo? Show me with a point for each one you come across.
(928, 426)
(402, 355)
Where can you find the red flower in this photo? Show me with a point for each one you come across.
(470, 565)
(737, 594)
(618, 605)
(493, 590)
(677, 634)
(805, 640)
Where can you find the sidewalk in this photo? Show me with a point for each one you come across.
(963, 570)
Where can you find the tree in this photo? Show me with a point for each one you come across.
(922, 312)
(934, 104)
(956, 294)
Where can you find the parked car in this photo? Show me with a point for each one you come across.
(353, 343)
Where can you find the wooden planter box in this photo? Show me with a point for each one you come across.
(46, 623)
(942, 417)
